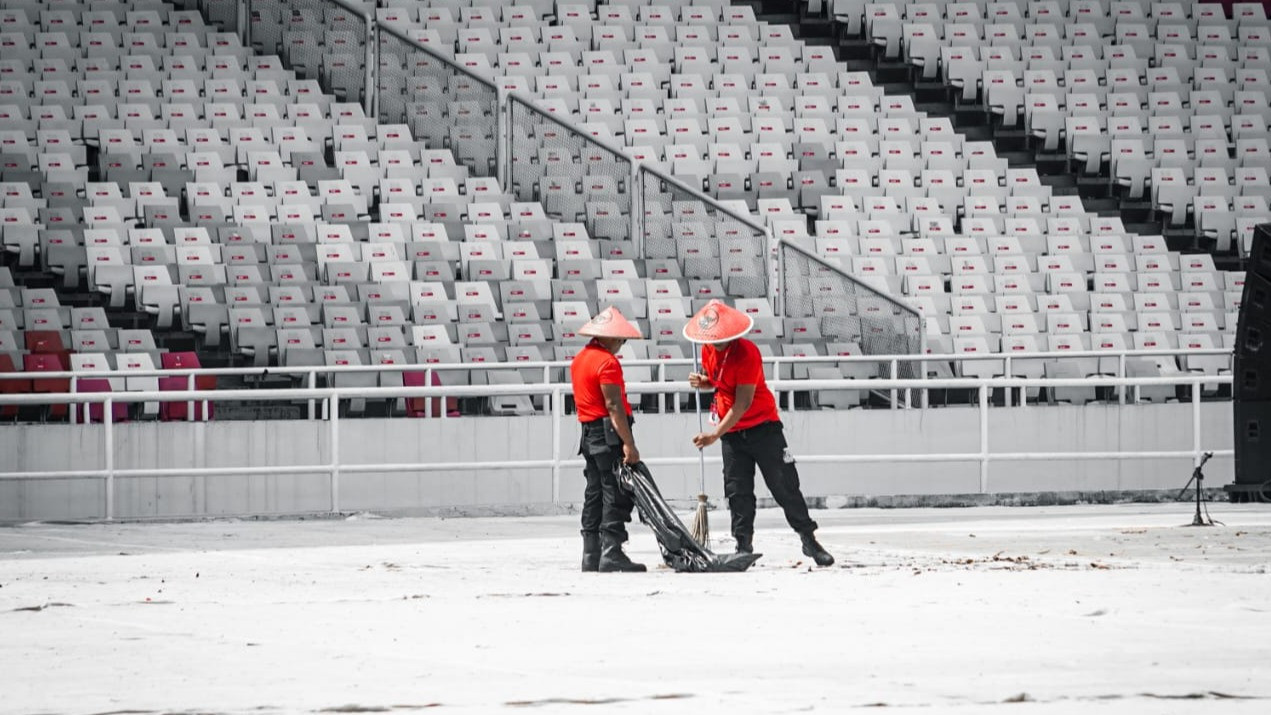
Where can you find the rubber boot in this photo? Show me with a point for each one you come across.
(745, 543)
(591, 552)
(613, 559)
(812, 548)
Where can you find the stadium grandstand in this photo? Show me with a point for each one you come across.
(293, 212)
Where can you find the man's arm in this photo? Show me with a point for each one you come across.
(618, 415)
(698, 381)
(741, 403)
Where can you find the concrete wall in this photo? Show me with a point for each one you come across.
(522, 489)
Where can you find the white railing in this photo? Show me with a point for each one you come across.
(308, 374)
(335, 467)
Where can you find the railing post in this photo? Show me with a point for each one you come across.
(313, 384)
(922, 364)
(635, 188)
(1121, 374)
(502, 141)
(369, 94)
(558, 413)
(1006, 369)
(1196, 442)
(891, 372)
(108, 419)
(984, 438)
(428, 403)
(550, 397)
(507, 106)
(771, 255)
(245, 22)
(189, 405)
(779, 290)
(88, 412)
(333, 405)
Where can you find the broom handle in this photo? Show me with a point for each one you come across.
(701, 453)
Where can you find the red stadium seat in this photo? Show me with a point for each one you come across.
(177, 411)
(48, 362)
(48, 342)
(417, 406)
(95, 411)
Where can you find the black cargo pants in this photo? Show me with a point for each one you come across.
(764, 446)
(606, 506)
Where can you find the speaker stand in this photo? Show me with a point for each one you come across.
(1201, 517)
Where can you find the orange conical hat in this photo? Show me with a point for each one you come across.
(610, 323)
(717, 322)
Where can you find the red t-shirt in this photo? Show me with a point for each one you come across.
(739, 364)
(592, 367)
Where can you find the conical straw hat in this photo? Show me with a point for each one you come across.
(610, 323)
(717, 322)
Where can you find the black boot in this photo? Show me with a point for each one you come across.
(815, 550)
(591, 552)
(745, 543)
(612, 558)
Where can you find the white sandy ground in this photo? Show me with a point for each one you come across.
(1067, 609)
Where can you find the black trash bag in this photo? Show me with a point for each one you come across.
(679, 550)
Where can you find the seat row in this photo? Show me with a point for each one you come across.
(95, 361)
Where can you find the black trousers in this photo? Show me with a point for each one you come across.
(606, 506)
(763, 446)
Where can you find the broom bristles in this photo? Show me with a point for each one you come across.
(700, 529)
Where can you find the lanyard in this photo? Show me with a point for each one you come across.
(719, 369)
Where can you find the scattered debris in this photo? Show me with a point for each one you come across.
(543, 594)
(1208, 695)
(41, 607)
(592, 701)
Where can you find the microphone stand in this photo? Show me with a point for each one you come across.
(1198, 477)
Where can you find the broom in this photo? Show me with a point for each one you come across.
(700, 528)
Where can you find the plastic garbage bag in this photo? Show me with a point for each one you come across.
(679, 550)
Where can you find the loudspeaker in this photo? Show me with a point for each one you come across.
(1252, 367)
(1253, 442)
(1260, 252)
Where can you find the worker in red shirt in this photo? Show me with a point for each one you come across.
(600, 395)
(745, 422)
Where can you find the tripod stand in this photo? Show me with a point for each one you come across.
(1198, 477)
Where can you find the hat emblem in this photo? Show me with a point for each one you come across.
(708, 319)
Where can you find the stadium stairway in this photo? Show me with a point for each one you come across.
(1098, 192)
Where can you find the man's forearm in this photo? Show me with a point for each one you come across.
(621, 425)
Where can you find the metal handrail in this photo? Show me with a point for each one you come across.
(632, 362)
(603, 143)
(838, 270)
(449, 62)
(778, 385)
(700, 195)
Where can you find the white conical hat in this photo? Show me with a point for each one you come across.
(610, 323)
(717, 322)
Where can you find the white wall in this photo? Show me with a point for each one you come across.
(521, 490)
